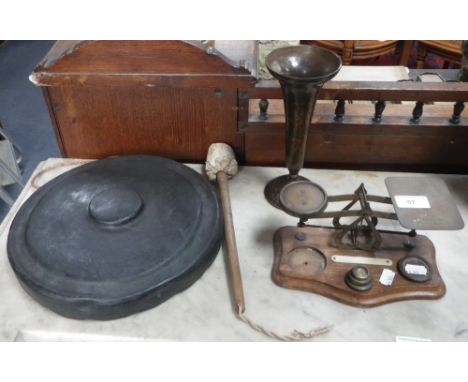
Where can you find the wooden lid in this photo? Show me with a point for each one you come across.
(149, 63)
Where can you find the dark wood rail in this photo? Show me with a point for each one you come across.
(406, 126)
(371, 91)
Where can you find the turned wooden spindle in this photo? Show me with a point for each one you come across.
(263, 105)
(457, 110)
(417, 112)
(379, 108)
(339, 111)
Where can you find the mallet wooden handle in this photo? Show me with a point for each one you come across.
(230, 237)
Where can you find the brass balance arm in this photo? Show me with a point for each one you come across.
(348, 213)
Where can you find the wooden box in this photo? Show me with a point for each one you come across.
(167, 98)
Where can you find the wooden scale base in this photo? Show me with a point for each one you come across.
(303, 260)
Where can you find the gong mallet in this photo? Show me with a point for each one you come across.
(221, 165)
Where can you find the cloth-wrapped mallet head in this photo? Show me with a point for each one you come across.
(220, 157)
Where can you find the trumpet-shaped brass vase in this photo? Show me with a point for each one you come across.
(301, 71)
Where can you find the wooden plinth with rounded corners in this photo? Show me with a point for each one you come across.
(295, 270)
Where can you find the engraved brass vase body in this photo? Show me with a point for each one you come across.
(301, 71)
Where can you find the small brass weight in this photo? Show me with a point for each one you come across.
(301, 71)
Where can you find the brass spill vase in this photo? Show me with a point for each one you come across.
(301, 71)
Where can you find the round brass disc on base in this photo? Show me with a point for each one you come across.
(306, 261)
(415, 269)
(274, 187)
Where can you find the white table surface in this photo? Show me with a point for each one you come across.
(204, 311)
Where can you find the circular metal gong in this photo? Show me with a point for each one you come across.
(115, 236)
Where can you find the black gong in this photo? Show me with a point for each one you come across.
(115, 236)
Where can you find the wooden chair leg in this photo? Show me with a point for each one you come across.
(421, 57)
(347, 55)
(405, 47)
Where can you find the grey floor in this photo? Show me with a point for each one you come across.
(23, 111)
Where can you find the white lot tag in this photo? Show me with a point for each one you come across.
(412, 201)
(413, 269)
(387, 276)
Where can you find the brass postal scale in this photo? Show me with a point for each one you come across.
(351, 261)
